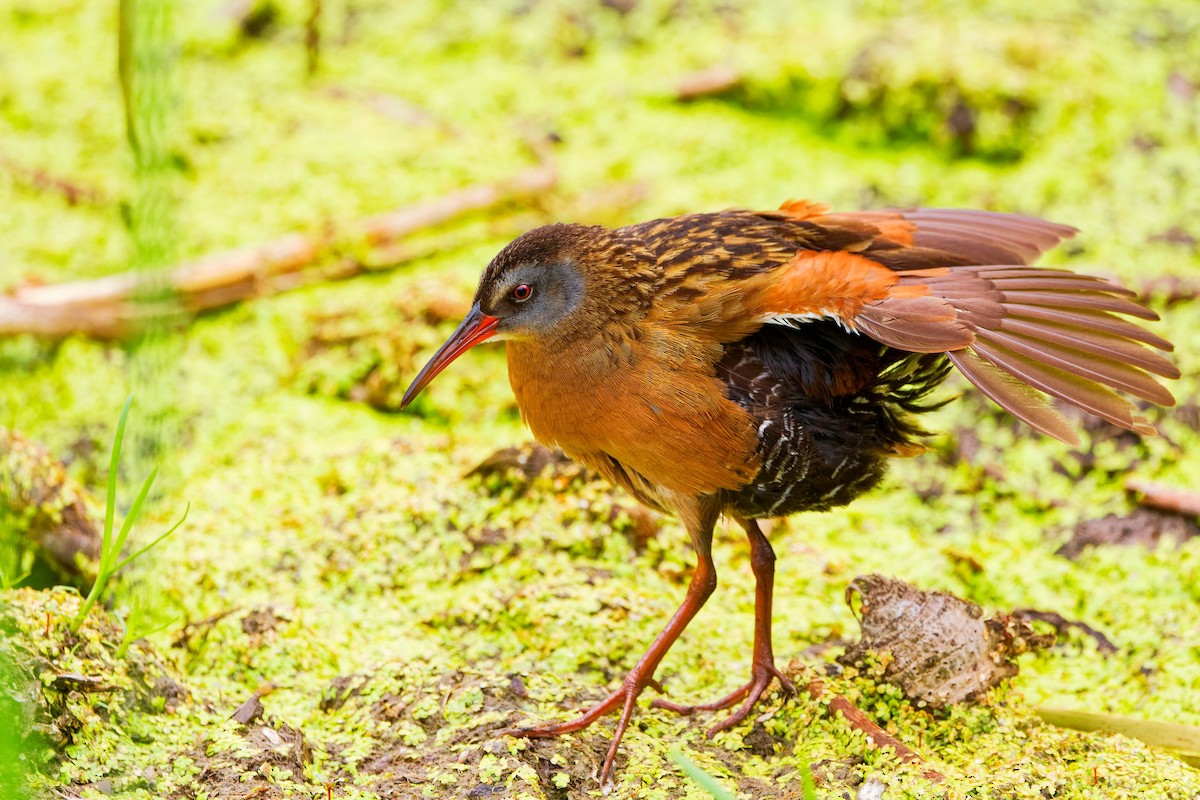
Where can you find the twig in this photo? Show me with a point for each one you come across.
(312, 37)
(390, 106)
(252, 709)
(205, 624)
(1165, 498)
(73, 681)
(106, 308)
(715, 80)
(1169, 289)
(878, 736)
(125, 69)
(43, 181)
(1061, 624)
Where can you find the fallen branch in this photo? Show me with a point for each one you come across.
(107, 308)
(878, 736)
(1165, 498)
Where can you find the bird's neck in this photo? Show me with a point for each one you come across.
(593, 355)
(561, 386)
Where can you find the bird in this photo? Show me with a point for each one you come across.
(760, 364)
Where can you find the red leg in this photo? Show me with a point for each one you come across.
(762, 668)
(700, 517)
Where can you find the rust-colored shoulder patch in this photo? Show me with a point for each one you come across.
(828, 283)
(897, 230)
(804, 209)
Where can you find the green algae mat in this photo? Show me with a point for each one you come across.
(353, 609)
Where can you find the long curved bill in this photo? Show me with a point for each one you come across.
(475, 328)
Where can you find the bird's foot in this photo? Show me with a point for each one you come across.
(624, 698)
(761, 676)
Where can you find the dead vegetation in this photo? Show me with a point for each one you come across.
(937, 647)
(44, 513)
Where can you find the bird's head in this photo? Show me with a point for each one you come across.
(555, 284)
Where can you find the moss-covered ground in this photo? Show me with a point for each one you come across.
(389, 613)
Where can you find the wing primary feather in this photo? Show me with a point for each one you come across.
(1076, 283)
(1100, 370)
(957, 282)
(1014, 396)
(1030, 226)
(1081, 392)
(1079, 300)
(1089, 320)
(935, 233)
(1095, 343)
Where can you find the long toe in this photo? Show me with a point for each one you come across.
(550, 729)
(748, 695)
(624, 699)
(728, 701)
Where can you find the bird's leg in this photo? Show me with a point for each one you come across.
(700, 516)
(762, 669)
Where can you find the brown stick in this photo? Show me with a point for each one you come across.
(1062, 624)
(106, 308)
(43, 181)
(1165, 498)
(715, 80)
(392, 107)
(312, 37)
(1168, 289)
(200, 626)
(878, 736)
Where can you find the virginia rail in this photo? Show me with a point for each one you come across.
(761, 364)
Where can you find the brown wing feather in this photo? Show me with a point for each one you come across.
(968, 236)
(924, 280)
(1067, 386)
(1053, 330)
(1014, 395)
(1084, 319)
(1102, 344)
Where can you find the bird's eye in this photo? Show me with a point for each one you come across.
(522, 292)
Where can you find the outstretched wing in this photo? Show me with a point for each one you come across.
(930, 237)
(958, 282)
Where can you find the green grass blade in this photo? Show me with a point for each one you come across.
(156, 541)
(705, 781)
(710, 784)
(1182, 740)
(108, 552)
(807, 785)
(110, 506)
(111, 545)
(135, 511)
(130, 635)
